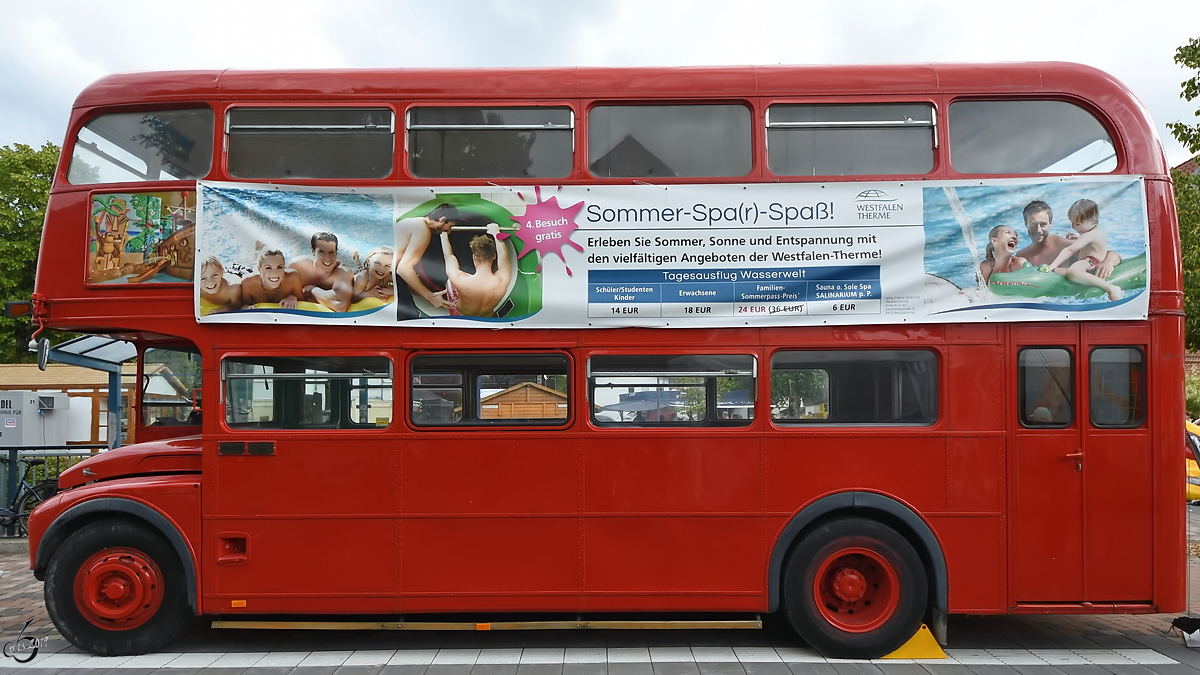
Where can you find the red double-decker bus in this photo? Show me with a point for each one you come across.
(864, 345)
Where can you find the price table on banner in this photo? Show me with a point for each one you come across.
(736, 293)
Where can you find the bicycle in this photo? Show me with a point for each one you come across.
(26, 497)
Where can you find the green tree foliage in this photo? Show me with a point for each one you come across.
(1187, 202)
(1188, 56)
(1187, 196)
(25, 175)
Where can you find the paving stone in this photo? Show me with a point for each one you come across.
(582, 669)
(676, 669)
(722, 668)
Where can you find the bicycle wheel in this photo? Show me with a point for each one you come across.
(30, 499)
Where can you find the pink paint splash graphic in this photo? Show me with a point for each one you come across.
(546, 227)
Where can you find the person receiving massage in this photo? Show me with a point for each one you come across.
(1089, 249)
(273, 283)
(412, 239)
(1045, 247)
(1001, 253)
(324, 279)
(477, 294)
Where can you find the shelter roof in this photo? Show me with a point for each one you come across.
(27, 376)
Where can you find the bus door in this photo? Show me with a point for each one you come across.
(302, 507)
(1047, 542)
(1117, 464)
(1082, 523)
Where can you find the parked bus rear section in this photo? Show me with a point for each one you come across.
(863, 345)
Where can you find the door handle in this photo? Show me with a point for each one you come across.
(1078, 457)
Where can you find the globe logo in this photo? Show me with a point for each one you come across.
(873, 195)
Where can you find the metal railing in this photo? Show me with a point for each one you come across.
(58, 459)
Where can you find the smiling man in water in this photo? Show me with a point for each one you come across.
(325, 280)
(1046, 247)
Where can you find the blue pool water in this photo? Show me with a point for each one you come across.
(1122, 218)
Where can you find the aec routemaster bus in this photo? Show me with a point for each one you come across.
(863, 345)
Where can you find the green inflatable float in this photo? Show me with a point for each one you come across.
(1031, 282)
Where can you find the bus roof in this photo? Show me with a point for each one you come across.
(1064, 78)
(1102, 92)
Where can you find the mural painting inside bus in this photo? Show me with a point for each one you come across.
(1000, 244)
(142, 237)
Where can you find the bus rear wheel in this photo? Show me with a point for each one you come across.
(855, 588)
(115, 588)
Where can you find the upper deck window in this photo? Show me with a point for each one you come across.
(143, 146)
(663, 141)
(998, 137)
(491, 142)
(310, 142)
(851, 140)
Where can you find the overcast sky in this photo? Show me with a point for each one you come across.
(53, 49)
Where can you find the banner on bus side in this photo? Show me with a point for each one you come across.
(677, 256)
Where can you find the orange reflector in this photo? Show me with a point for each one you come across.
(483, 626)
(237, 603)
(18, 308)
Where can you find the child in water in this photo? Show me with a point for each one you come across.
(216, 293)
(1090, 248)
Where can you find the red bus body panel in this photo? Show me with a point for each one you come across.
(584, 519)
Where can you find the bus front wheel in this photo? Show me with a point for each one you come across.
(115, 588)
(854, 588)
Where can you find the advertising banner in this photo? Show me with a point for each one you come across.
(678, 256)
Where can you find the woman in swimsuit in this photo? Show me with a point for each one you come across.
(1001, 253)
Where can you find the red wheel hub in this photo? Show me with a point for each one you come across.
(118, 588)
(856, 589)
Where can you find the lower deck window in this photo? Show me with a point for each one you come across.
(308, 392)
(489, 389)
(894, 387)
(672, 390)
(171, 383)
(1046, 386)
(1118, 376)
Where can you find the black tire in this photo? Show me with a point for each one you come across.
(30, 500)
(152, 614)
(854, 588)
